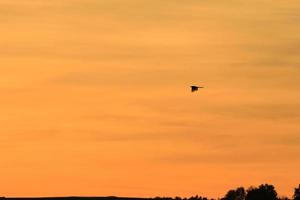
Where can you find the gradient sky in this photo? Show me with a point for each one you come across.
(95, 96)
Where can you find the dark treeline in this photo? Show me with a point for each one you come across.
(262, 192)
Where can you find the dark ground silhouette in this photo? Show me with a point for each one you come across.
(262, 192)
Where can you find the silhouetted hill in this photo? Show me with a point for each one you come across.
(262, 192)
(102, 198)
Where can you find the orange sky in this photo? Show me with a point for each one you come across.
(95, 98)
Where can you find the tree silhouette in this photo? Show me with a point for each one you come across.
(238, 194)
(263, 192)
(283, 198)
(297, 193)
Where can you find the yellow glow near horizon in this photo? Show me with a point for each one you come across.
(95, 97)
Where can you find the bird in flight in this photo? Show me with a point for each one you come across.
(195, 88)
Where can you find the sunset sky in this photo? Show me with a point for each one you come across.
(95, 97)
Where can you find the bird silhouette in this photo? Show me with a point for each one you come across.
(195, 88)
